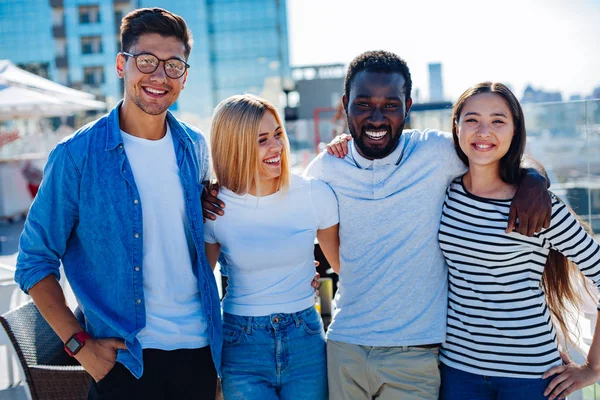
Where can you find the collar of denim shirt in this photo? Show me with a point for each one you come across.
(113, 130)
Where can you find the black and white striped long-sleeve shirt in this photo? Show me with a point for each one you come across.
(498, 321)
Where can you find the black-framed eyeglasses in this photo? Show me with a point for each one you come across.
(147, 63)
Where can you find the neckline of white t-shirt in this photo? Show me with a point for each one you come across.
(270, 198)
(147, 142)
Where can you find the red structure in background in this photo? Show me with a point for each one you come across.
(7, 137)
(338, 121)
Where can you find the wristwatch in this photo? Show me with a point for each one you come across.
(76, 342)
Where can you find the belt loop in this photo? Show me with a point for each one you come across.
(249, 321)
(296, 319)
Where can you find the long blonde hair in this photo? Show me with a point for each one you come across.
(234, 143)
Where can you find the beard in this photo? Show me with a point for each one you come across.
(373, 152)
(150, 108)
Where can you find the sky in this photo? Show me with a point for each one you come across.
(552, 45)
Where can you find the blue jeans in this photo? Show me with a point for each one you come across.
(461, 385)
(280, 356)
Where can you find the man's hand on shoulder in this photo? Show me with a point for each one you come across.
(338, 147)
(211, 205)
(532, 206)
(98, 356)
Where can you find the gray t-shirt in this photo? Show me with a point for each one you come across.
(393, 277)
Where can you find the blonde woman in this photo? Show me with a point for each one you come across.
(274, 344)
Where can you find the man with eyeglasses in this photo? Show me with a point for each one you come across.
(119, 206)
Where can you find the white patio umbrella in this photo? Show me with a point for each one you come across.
(12, 75)
(21, 102)
(26, 95)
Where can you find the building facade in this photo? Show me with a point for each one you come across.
(436, 85)
(239, 45)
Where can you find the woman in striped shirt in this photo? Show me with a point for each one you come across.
(508, 293)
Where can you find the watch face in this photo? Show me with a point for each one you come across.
(73, 345)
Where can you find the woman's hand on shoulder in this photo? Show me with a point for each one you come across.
(338, 147)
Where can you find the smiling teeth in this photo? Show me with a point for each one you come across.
(375, 134)
(154, 91)
(483, 146)
(273, 160)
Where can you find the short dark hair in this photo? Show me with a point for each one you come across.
(510, 164)
(154, 20)
(378, 61)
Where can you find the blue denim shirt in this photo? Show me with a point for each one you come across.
(87, 215)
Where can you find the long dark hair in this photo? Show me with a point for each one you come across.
(562, 282)
(510, 164)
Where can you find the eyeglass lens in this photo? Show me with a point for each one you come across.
(147, 63)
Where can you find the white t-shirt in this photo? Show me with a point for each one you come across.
(174, 318)
(268, 245)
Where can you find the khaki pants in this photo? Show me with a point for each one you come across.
(384, 373)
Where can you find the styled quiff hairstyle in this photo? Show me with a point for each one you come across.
(378, 61)
(154, 20)
(510, 164)
(234, 143)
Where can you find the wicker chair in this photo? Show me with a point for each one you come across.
(50, 373)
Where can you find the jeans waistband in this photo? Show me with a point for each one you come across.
(274, 320)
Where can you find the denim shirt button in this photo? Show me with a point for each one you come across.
(136, 268)
(136, 235)
(136, 201)
(138, 301)
(121, 146)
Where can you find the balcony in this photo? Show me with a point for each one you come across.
(59, 32)
(62, 62)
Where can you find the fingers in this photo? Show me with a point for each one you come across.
(573, 388)
(338, 150)
(213, 188)
(211, 205)
(317, 263)
(338, 147)
(559, 369)
(547, 220)
(558, 391)
(512, 217)
(555, 384)
(118, 344)
(315, 282)
(344, 145)
(531, 225)
(539, 225)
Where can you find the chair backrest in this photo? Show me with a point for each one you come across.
(42, 355)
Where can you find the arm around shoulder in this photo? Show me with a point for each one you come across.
(326, 207)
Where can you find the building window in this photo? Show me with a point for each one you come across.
(91, 44)
(93, 76)
(89, 14)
